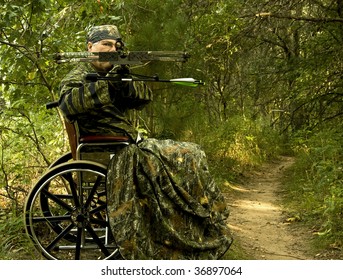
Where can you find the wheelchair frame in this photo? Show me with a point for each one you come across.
(66, 210)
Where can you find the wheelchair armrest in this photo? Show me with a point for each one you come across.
(103, 139)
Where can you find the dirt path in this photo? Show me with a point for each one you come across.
(258, 221)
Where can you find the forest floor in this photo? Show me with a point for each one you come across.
(259, 222)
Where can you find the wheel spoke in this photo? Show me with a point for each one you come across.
(93, 191)
(73, 188)
(59, 237)
(51, 219)
(57, 200)
(97, 240)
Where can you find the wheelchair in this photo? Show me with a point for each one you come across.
(65, 212)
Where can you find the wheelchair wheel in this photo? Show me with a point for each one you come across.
(65, 213)
(64, 158)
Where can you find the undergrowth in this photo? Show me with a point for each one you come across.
(14, 244)
(236, 146)
(314, 186)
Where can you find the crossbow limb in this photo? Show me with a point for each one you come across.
(123, 58)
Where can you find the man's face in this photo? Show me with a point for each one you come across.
(106, 45)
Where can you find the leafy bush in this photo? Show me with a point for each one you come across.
(316, 188)
(233, 146)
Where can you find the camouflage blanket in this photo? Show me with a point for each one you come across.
(163, 204)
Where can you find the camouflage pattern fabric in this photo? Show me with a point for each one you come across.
(98, 33)
(163, 203)
(102, 107)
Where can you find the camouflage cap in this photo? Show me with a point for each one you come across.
(102, 32)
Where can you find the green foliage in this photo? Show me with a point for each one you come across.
(14, 244)
(27, 147)
(316, 186)
(272, 70)
(232, 147)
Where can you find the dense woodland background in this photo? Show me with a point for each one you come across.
(273, 71)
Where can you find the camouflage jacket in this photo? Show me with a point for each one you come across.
(101, 107)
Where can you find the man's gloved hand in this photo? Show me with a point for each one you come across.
(122, 70)
(118, 72)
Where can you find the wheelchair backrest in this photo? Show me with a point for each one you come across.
(98, 148)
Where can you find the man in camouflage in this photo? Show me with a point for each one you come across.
(162, 201)
(102, 107)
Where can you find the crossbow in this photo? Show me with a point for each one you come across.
(128, 58)
(123, 57)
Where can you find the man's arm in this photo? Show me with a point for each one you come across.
(77, 96)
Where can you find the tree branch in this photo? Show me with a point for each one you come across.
(298, 18)
(12, 44)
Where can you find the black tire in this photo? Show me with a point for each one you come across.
(65, 213)
(64, 158)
